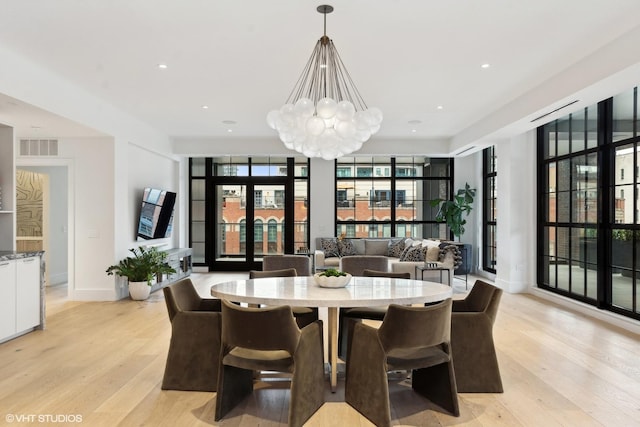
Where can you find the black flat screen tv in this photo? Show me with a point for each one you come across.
(156, 214)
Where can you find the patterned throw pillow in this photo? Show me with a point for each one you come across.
(330, 247)
(415, 253)
(346, 247)
(395, 248)
(407, 248)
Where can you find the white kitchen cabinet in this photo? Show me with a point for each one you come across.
(27, 293)
(7, 298)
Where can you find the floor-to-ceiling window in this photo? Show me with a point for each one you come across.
(245, 207)
(384, 197)
(589, 225)
(490, 209)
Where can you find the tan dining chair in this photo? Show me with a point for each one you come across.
(474, 351)
(303, 315)
(409, 338)
(268, 339)
(194, 349)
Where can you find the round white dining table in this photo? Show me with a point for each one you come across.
(359, 292)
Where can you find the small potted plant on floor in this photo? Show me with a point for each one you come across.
(141, 269)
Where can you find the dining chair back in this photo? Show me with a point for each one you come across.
(303, 315)
(268, 339)
(194, 349)
(410, 338)
(349, 315)
(301, 263)
(356, 264)
(475, 359)
(285, 272)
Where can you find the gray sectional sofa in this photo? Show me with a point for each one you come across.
(403, 254)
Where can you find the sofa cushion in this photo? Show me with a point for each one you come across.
(416, 253)
(376, 247)
(358, 244)
(395, 247)
(346, 247)
(330, 247)
(332, 262)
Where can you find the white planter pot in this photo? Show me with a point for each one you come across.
(139, 290)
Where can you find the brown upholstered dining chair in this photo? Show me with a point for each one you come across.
(194, 349)
(301, 263)
(303, 315)
(268, 339)
(350, 315)
(356, 264)
(410, 338)
(474, 353)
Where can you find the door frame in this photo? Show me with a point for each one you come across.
(250, 183)
(68, 164)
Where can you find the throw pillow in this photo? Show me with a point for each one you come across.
(330, 247)
(395, 248)
(358, 245)
(408, 245)
(346, 247)
(433, 253)
(429, 242)
(416, 254)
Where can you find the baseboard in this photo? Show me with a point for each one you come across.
(58, 279)
(609, 317)
(94, 295)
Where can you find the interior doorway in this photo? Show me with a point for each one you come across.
(60, 219)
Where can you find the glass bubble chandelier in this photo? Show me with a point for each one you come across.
(325, 115)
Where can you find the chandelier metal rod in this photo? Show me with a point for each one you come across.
(325, 75)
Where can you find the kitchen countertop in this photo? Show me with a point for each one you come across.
(8, 255)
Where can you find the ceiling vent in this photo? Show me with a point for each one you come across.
(38, 147)
(551, 112)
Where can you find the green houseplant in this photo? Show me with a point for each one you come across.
(453, 211)
(141, 268)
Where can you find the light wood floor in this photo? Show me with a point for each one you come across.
(104, 361)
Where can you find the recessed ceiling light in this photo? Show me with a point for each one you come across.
(205, 107)
(162, 66)
(229, 130)
(485, 65)
(413, 131)
(439, 107)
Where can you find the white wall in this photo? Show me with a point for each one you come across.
(322, 200)
(93, 228)
(148, 169)
(516, 218)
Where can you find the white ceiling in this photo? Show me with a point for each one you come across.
(242, 58)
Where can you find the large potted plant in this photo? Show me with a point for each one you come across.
(453, 212)
(141, 269)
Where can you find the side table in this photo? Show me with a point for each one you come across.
(433, 267)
